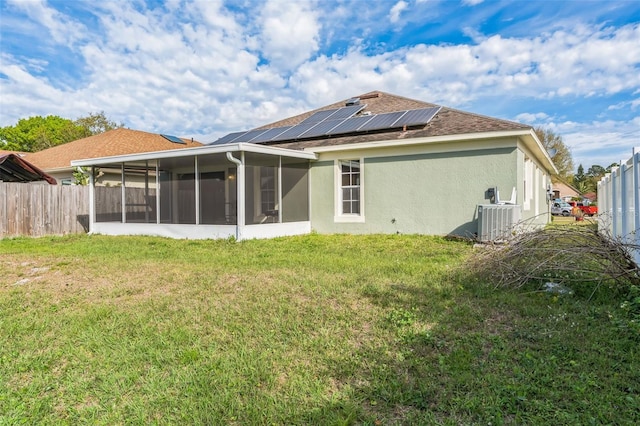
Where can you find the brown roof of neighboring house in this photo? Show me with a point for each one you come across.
(13, 168)
(5, 152)
(448, 121)
(114, 142)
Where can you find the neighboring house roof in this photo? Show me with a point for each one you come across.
(15, 169)
(18, 153)
(114, 142)
(448, 121)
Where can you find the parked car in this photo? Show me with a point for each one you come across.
(561, 208)
(587, 209)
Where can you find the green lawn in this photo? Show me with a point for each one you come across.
(305, 330)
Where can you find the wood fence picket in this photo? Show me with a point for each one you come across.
(37, 210)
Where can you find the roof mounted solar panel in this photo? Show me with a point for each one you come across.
(319, 116)
(334, 114)
(322, 129)
(350, 125)
(417, 117)
(228, 138)
(347, 112)
(294, 132)
(173, 139)
(249, 136)
(269, 134)
(382, 121)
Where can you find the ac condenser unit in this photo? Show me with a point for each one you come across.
(497, 222)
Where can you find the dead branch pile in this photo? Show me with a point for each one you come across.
(569, 255)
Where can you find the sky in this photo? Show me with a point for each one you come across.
(203, 69)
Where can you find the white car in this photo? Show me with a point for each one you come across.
(561, 208)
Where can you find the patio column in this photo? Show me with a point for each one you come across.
(122, 193)
(280, 189)
(92, 199)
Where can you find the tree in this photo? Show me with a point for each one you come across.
(37, 133)
(561, 157)
(96, 123)
(579, 177)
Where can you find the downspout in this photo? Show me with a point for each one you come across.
(240, 193)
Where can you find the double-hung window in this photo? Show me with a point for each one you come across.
(349, 191)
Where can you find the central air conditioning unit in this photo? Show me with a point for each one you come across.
(497, 222)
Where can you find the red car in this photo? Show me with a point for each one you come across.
(587, 210)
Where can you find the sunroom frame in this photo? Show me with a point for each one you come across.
(241, 156)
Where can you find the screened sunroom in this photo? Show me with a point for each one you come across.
(237, 191)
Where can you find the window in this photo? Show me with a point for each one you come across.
(350, 187)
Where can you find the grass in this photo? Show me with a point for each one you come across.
(305, 330)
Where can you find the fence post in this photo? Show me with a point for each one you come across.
(636, 201)
(624, 203)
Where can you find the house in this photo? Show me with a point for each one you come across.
(56, 161)
(13, 168)
(374, 163)
(564, 191)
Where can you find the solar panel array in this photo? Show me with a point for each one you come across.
(173, 139)
(334, 122)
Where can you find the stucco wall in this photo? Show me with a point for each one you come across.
(426, 193)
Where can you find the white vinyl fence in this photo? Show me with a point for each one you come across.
(619, 203)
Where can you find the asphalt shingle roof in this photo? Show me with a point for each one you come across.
(114, 142)
(447, 122)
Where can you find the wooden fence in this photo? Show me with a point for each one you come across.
(38, 209)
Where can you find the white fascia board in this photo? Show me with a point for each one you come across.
(527, 135)
(390, 143)
(533, 143)
(191, 152)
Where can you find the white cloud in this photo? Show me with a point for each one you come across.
(62, 29)
(472, 2)
(633, 104)
(599, 142)
(289, 33)
(396, 10)
(204, 69)
(532, 118)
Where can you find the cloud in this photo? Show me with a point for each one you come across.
(599, 142)
(202, 68)
(472, 2)
(396, 10)
(289, 33)
(532, 118)
(633, 104)
(62, 30)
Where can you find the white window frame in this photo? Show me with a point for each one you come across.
(339, 216)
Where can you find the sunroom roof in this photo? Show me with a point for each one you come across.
(190, 152)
